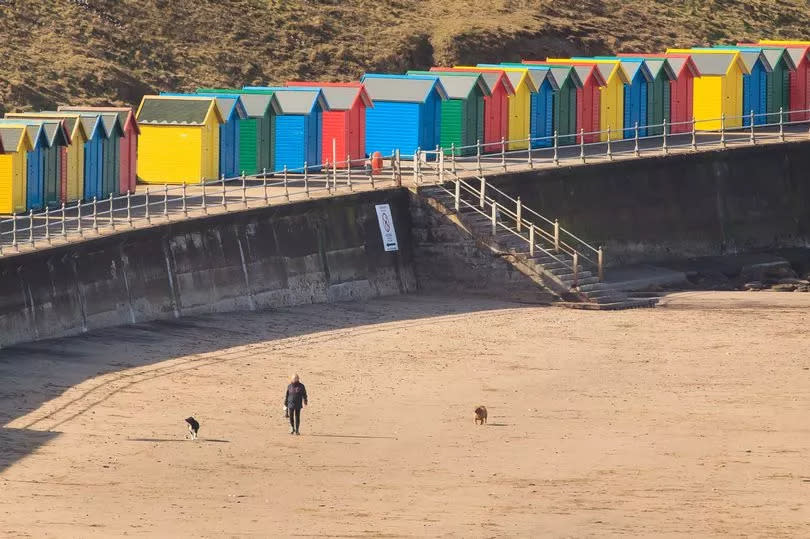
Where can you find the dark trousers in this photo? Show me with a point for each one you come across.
(295, 418)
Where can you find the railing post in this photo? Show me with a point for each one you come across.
(582, 144)
(146, 204)
(349, 171)
(503, 153)
(439, 175)
(14, 232)
(371, 177)
(478, 157)
(453, 158)
(264, 185)
(482, 194)
(306, 180)
(334, 166)
(556, 236)
(531, 165)
(47, 224)
(518, 213)
(457, 195)
(609, 153)
(393, 168)
(398, 167)
(531, 239)
(694, 136)
(556, 157)
(635, 140)
(494, 218)
(286, 185)
(781, 126)
(723, 130)
(224, 194)
(31, 227)
(600, 260)
(203, 202)
(78, 219)
(752, 138)
(112, 220)
(64, 226)
(95, 214)
(244, 189)
(129, 207)
(664, 140)
(185, 208)
(166, 200)
(576, 269)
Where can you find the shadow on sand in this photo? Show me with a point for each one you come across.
(36, 373)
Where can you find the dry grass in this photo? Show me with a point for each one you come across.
(100, 51)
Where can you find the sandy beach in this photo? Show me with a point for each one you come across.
(688, 420)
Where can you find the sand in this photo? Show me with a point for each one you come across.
(690, 419)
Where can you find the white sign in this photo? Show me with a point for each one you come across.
(389, 235)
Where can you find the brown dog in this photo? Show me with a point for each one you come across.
(481, 415)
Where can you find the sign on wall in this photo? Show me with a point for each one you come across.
(389, 234)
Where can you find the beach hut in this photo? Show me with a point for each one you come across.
(718, 91)
(636, 95)
(613, 96)
(564, 99)
(589, 98)
(777, 81)
(233, 112)
(72, 156)
(406, 115)
(541, 102)
(496, 105)
(462, 111)
(344, 124)
(298, 126)
(15, 144)
(659, 98)
(799, 52)
(40, 167)
(519, 104)
(128, 152)
(257, 132)
(48, 167)
(179, 140)
(110, 151)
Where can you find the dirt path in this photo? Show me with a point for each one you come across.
(686, 420)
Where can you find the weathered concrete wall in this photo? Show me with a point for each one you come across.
(316, 251)
(709, 203)
(446, 259)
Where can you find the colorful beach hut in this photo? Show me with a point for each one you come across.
(777, 81)
(128, 152)
(589, 97)
(233, 112)
(406, 114)
(110, 151)
(15, 144)
(541, 102)
(72, 156)
(298, 126)
(659, 98)
(462, 111)
(799, 52)
(179, 139)
(718, 91)
(496, 105)
(613, 96)
(40, 166)
(344, 124)
(257, 132)
(636, 95)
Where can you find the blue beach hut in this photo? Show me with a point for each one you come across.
(93, 156)
(635, 94)
(755, 83)
(299, 125)
(406, 113)
(233, 112)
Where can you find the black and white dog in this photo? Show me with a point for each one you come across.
(193, 427)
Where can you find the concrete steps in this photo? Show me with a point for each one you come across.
(553, 269)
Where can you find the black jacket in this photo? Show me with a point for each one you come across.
(296, 395)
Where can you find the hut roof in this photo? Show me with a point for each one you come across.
(457, 85)
(125, 114)
(165, 110)
(402, 88)
(338, 95)
(292, 100)
(713, 61)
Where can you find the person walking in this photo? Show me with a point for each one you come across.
(294, 400)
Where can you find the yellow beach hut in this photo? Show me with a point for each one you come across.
(75, 150)
(520, 104)
(15, 143)
(718, 91)
(611, 96)
(179, 140)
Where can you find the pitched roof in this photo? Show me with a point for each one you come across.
(338, 95)
(516, 76)
(632, 66)
(457, 85)
(776, 54)
(125, 114)
(164, 110)
(713, 62)
(491, 77)
(228, 104)
(54, 129)
(108, 119)
(749, 55)
(402, 88)
(584, 70)
(10, 137)
(293, 100)
(69, 119)
(537, 74)
(608, 67)
(36, 131)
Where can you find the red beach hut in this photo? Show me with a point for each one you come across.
(496, 105)
(799, 52)
(344, 122)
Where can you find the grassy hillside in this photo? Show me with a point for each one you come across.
(114, 51)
